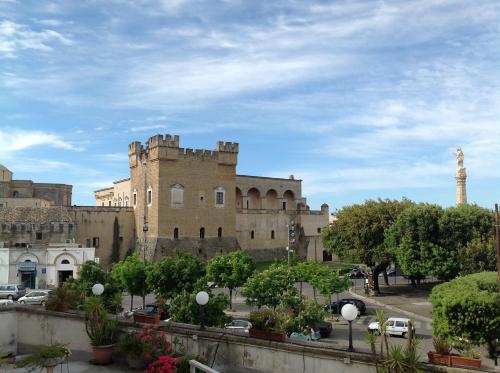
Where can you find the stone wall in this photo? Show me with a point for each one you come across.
(205, 249)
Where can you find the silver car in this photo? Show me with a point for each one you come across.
(36, 297)
(12, 291)
(242, 325)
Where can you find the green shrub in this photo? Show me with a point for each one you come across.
(266, 319)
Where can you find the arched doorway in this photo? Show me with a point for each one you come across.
(65, 266)
(288, 200)
(26, 270)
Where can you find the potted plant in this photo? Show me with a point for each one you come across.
(101, 330)
(46, 357)
(144, 346)
(468, 357)
(267, 324)
(62, 299)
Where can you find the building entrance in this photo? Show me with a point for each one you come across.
(28, 279)
(63, 276)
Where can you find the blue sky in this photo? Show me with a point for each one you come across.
(360, 99)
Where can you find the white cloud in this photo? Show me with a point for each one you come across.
(17, 140)
(15, 37)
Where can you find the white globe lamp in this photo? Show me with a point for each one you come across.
(350, 312)
(98, 289)
(202, 298)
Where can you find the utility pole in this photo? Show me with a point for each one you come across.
(497, 242)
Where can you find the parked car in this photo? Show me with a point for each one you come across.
(395, 326)
(325, 328)
(238, 324)
(152, 309)
(356, 273)
(12, 291)
(313, 336)
(336, 307)
(36, 297)
(6, 302)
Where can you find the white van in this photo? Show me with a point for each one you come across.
(395, 326)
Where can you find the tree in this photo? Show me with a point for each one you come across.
(329, 282)
(478, 256)
(230, 271)
(425, 239)
(358, 233)
(115, 248)
(90, 274)
(414, 239)
(171, 275)
(132, 274)
(468, 307)
(305, 272)
(268, 287)
(185, 309)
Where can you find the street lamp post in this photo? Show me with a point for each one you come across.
(202, 299)
(350, 312)
(291, 239)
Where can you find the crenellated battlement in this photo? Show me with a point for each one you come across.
(227, 147)
(168, 141)
(166, 147)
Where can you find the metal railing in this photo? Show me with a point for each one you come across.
(204, 368)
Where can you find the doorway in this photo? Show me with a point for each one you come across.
(63, 276)
(28, 279)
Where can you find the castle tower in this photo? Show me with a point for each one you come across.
(461, 177)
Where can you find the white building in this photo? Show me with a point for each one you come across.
(42, 267)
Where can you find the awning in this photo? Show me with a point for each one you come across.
(26, 266)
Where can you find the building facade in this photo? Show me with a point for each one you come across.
(192, 199)
(44, 240)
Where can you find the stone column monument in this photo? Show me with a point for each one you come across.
(461, 177)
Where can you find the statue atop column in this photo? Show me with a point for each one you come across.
(460, 177)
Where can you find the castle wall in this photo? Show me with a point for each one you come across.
(94, 228)
(313, 223)
(196, 175)
(24, 202)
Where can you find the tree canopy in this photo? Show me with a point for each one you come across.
(268, 287)
(171, 275)
(231, 270)
(358, 233)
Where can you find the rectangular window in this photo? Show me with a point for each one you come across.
(61, 228)
(70, 227)
(95, 242)
(39, 235)
(88, 243)
(319, 230)
(135, 199)
(219, 198)
(284, 205)
(150, 196)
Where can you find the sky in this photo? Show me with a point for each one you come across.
(359, 99)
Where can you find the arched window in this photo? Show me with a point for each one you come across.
(65, 261)
(272, 235)
(134, 198)
(15, 194)
(252, 235)
(202, 233)
(150, 196)
(176, 233)
(109, 203)
(219, 232)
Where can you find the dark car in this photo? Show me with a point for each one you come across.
(356, 273)
(325, 328)
(336, 307)
(152, 309)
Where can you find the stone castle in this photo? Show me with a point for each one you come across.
(193, 200)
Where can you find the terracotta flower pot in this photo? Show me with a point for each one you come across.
(267, 334)
(102, 354)
(453, 360)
